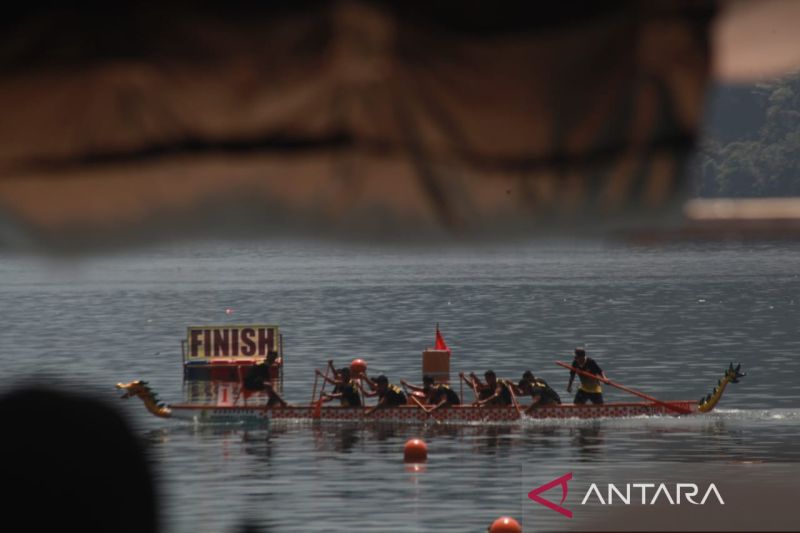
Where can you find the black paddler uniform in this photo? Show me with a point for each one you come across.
(350, 396)
(547, 396)
(393, 396)
(441, 392)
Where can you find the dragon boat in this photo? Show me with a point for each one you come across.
(259, 412)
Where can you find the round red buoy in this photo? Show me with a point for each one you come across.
(358, 367)
(415, 451)
(505, 524)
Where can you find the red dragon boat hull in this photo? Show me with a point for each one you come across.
(464, 414)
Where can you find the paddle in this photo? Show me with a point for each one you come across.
(314, 390)
(607, 381)
(470, 383)
(514, 400)
(241, 386)
(419, 404)
(368, 410)
(412, 390)
(477, 396)
(317, 411)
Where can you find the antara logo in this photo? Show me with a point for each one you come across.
(680, 493)
(534, 494)
(688, 490)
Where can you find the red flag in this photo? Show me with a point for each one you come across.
(440, 344)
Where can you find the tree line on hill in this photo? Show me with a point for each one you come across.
(751, 146)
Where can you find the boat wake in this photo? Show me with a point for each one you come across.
(732, 416)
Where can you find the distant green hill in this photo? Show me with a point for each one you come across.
(751, 146)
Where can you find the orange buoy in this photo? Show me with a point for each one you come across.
(358, 367)
(505, 524)
(415, 451)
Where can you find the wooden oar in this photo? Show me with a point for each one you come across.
(669, 406)
(471, 384)
(514, 399)
(317, 411)
(477, 396)
(419, 404)
(241, 385)
(369, 410)
(411, 391)
(314, 390)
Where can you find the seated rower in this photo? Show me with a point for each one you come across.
(436, 394)
(495, 392)
(388, 395)
(480, 390)
(538, 389)
(344, 388)
(258, 379)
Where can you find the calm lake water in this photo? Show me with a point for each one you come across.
(665, 320)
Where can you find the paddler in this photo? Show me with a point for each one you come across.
(274, 397)
(260, 373)
(258, 379)
(344, 388)
(495, 392)
(256, 376)
(436, 394)
(538, 389)
(389, 395)
(590, 388)
(274, 363)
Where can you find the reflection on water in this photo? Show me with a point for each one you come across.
(338, 439)
(221, 393)
(589, 442)
(491, 440)
(476, 472)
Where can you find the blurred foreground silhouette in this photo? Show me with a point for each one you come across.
(71, 462)
(136, 122)
(140, 121)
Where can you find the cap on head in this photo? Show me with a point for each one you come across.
(527, 375)
(580, 352)
(382, 379)
(427, 380)
(489, 373)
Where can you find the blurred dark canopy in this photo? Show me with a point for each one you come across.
(140, 121)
